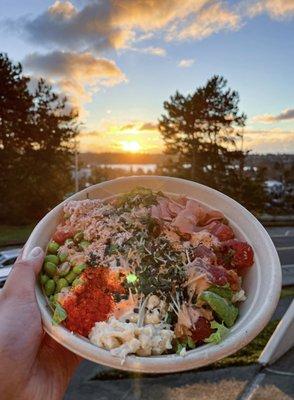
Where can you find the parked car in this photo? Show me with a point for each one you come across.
(7, 259)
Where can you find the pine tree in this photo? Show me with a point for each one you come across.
(36, 132)
(202, 128)
(205, 131)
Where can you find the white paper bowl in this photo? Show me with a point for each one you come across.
(262, 283)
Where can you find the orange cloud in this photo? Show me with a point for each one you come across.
(269, 141)
(113, 136)
(118, 24)
(211, 18)
(149, 126)
(285, 115)
(79, 75)
(275, 8)
(62, 9)
(258, 142)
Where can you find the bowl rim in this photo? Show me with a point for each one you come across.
(199, 357)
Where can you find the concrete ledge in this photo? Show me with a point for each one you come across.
(276, 220)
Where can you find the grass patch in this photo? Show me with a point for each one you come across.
(250, 353)
(10, 235)
(287, 292)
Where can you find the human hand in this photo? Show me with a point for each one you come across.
(32, 365)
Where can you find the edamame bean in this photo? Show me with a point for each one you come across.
(63, 269)
(49, 287)
(78, 237)
(50, 268)
(70, 277)
(84, 244)
(62, 257)
(61, 283)
(43, 279)
(55, 298)
(78, 269)
(52, 258)
(77, 282)
(69, 242)
(53, 247)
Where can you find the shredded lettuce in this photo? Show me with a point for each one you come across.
(190, 343)
(218, 335)
(185, 344)
(179, 348)
(59, 315)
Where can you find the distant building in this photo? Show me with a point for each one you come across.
(83, 173)
(290, 189)
(274, 188)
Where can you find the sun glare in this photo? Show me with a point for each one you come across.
(131, 146)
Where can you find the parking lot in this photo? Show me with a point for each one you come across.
(283, 239)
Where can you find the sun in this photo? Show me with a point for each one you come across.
(131, 146)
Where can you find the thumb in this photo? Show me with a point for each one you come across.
(22, 279)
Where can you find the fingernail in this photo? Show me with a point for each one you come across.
(35, 253)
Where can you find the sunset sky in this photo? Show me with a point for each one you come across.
(118, 60)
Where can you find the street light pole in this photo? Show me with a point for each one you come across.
(76, 167)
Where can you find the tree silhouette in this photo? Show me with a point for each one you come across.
(15, 104)
(205, 131)
(201, 128)
(36, 138)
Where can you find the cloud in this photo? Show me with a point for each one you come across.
(91, 27)
(139, 126)
(149, 126)
(62, 9)
(156, 51)
(153, 50)
(285, 115)
(112, 24)
(277, 9)
(213, 17)
(186, 63)
(144, 36)
(112, 134)
(100, 25)
(79, 75)
(127, 127)
(269, 141)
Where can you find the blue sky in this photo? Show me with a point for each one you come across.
(251, 45)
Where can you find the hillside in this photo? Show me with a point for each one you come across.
(121, 158)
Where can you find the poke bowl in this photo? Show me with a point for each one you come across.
(172, 275)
